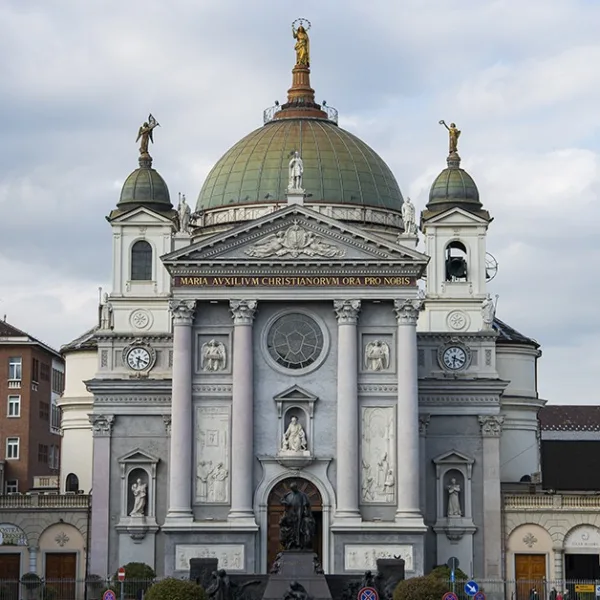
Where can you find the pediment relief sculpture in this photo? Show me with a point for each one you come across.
(294, 242)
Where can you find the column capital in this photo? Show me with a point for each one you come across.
(491, 425)
(182, 311)
(423, 424)
(407, 311)
(102, 425)
(167, 422)
(243, 311)
(346, 311)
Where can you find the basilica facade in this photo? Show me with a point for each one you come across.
(288, 330)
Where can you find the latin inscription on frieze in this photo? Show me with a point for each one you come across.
(295, 281)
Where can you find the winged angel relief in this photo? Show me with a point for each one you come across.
(294, 242)
(377, 356)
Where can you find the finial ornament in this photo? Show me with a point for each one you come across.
(300, 28)
(145, 135)
(453, 134)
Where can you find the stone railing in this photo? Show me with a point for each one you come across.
(43, 501)
(551, 502)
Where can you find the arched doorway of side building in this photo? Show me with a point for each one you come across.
(275, 511)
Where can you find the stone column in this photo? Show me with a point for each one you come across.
(348, 438)
(491, 430)
(180, 453)
(408, 469)
(242, 408)
(33, 553)
(423, 424)
(100, 520)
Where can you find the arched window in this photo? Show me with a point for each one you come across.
(72, 483)
(141, 261)
(456, 262)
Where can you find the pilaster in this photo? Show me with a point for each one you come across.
(102, 426)
(347, 312)
(491, 431)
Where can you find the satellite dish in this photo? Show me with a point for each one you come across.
(456, 267)
(491, 266)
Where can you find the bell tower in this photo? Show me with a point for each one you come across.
(454, 224)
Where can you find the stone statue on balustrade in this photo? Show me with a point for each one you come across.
(297, 524)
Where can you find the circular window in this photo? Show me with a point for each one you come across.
(295, 341)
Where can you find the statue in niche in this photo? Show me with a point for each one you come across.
(488, 311)
(409, 217)
(140, 492)
(377, 356)
(297, 524)
(106, 313)
(214, 356)
(296, 168)
(294, 438)
(217, 481)
(454, 509)
(184, 213)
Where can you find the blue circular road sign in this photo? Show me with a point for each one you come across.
(367, 593)
(471, 588)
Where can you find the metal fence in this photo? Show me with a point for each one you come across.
(534, 589)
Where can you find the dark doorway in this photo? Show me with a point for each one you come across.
(61, 573)
(10, 573)
(582, 567)
(275, 510)
(72, 483)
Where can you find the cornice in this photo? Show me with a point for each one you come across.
(241, 267)
(121, 401)
(440, 337)
(114, 387)
(111, 336)
(461, 386)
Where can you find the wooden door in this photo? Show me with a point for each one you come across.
(530, 573)
(61, 573)
(10, 573)
(275, 511)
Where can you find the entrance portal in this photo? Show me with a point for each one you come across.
(583, 567)
(275, 511)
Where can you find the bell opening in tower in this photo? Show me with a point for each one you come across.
(456, 262)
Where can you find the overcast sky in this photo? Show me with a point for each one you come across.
(520, 79)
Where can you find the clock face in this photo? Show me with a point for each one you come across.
(138, 359)
(454, 358)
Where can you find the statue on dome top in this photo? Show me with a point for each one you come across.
(302, 46)
(453, 134)
(145, 134)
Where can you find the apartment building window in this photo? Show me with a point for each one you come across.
(44, 410)
(12, 486)
(15, 369)
(45, 372)
(12, 448)
(54, 457)
(58, 381)
(14, 406)
(43, 453)
(56, 414)
(35, 370)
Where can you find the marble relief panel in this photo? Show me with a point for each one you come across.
(213, 356)
(363, 557)
(230, 556)
(213, 454)
(378, 455)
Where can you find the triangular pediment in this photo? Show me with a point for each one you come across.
(295, 235)
(139, 456)
(453, 457)
(295, 393)
(141, 216)
(457, 216)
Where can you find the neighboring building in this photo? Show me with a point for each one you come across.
(272, 336)
(31, 382)
(552, 526)
(76, 404)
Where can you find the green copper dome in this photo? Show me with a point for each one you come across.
(454, 187)
(338, 168)
(145, 187)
